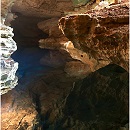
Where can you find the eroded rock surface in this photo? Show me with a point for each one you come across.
(43, 8)
(76, 69)
(99, 101)
(7, 46)
(102, 34)
(55, 59)
(31, 106)
(18, 111)
(55, 100)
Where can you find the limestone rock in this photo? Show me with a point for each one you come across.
(30, 106)
(18, 111)
(54, 59)
(77, 69)
(8, 65)
(83, 57)
(6, 7)
(50, 27)
(102, 34)
(53, 43)
(56, 39)
(42, 8)
(99, 101)
(56, 101)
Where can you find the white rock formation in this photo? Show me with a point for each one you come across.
(102, 5)
(8, 65)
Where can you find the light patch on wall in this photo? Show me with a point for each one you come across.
(8, 65)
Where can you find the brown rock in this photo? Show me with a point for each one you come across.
(50, 27)
(6, 7)
(99, 101)
(87, 33)
(17, 110)
(42, 8)
(53, 43)
(77, 69)
(55, 40)
(30, 106)
(54, 59)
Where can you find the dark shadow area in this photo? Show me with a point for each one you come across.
(26, 31)
(29, 62)
(28, 54)
(100, 100)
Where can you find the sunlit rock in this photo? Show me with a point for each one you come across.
(8, 65)
(102, 34)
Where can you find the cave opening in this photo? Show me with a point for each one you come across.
(28, 53)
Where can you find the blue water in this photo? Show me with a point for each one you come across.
(29, 62)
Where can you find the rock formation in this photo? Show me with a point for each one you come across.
(77, 91)
(8, 65)
(99, 101)
(8, 46)
(29, 106)
(102, 34)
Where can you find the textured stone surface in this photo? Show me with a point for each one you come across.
(102, 34)
(55, 39)
(53, 43)
(50, 27)
(8, 65)
(99, 101)
(31, 106)
(55, 101)
(42, 8)
(55, 59)
(5, 7)
(18, 111)
(7, 46)
(76, 69)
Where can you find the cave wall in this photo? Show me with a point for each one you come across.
(46, 102)
(103, 34)
(8, 46)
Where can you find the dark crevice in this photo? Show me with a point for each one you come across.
(18, 127)
(26, 31)
(28, 53)
(42, 119)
